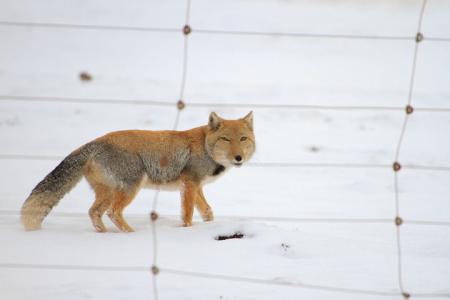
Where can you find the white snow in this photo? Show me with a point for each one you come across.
(246, 69)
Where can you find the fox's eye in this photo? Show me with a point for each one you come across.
(244, 138)
(225, 139)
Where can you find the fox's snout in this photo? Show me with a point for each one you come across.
(238, 161)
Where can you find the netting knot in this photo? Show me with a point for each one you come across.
(419, 37)
(155, 270)
(181, 105)
(154, 216)
(398, 221)
(409, 109)
(396, 166)
(187, 29)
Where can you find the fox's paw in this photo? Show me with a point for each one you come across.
(187, 224)
(126, 228)
(208, 216)
(100, 228)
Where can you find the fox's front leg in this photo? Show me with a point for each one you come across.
(188, 197)
(203, 207)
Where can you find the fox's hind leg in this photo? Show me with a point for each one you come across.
(120, 200)
(103, 197)
(203, 207)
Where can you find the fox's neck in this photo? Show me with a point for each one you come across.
(219, 169)
(201, 162)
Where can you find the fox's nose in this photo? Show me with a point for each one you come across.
(238, 158)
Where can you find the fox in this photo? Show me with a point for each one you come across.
(120, 163)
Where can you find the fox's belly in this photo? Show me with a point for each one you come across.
(174, 185)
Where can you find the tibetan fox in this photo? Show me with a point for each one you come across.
(120, 163)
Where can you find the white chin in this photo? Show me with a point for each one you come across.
(226, 163)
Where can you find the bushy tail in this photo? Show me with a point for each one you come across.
(52, 188)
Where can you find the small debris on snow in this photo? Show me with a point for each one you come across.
(236, 235)
(85, 76)
(314, 149)
(285, 246)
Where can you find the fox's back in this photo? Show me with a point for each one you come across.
(145, 140)
(132, 154)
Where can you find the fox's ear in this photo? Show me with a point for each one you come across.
(214, 121)
(249, 119)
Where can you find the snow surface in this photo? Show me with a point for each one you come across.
(233, 69)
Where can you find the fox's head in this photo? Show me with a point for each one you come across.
(230, 142)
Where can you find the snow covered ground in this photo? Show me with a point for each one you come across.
(224, 69)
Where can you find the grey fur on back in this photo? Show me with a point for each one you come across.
(124, 169)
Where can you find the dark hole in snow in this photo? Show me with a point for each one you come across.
(236, 235)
